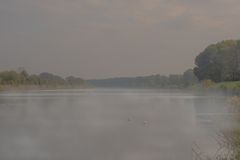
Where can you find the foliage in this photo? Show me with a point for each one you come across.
(207, 83)
(219, 62)
(75, 80)
(51, 79)
(228, 143)
(189, 78)
(43, 79)
(153, 81)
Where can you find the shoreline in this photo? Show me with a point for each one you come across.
(38, 87)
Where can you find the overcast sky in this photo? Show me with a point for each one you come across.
(108, 38)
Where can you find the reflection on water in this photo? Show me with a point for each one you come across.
(106, 124)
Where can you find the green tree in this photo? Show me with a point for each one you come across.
(219, 62)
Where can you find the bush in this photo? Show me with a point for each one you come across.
(207, 83)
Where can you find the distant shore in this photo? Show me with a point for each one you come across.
(40, 87)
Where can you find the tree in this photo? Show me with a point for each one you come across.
(75, 81)
(219, 62)
(23, 78)
(189, 77)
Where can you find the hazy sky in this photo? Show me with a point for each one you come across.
(108, 38)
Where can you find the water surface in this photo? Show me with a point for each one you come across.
(107, 124)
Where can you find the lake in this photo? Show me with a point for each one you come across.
(108, 124)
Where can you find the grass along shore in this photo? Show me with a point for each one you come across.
(230, 86)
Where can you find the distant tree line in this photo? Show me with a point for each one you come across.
(44, 79)
(154, 81)
(219, 62)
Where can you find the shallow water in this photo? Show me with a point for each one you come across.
(108, 124)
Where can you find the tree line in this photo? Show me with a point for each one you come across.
(17, 78)
(154, 81)
(218, 62)
(43, 79)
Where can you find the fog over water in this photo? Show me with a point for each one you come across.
(108, 124)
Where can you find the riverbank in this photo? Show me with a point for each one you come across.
(232, 87)
(228, 141)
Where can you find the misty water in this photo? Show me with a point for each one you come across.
(108, 124)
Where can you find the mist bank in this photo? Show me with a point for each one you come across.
(22, 80)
